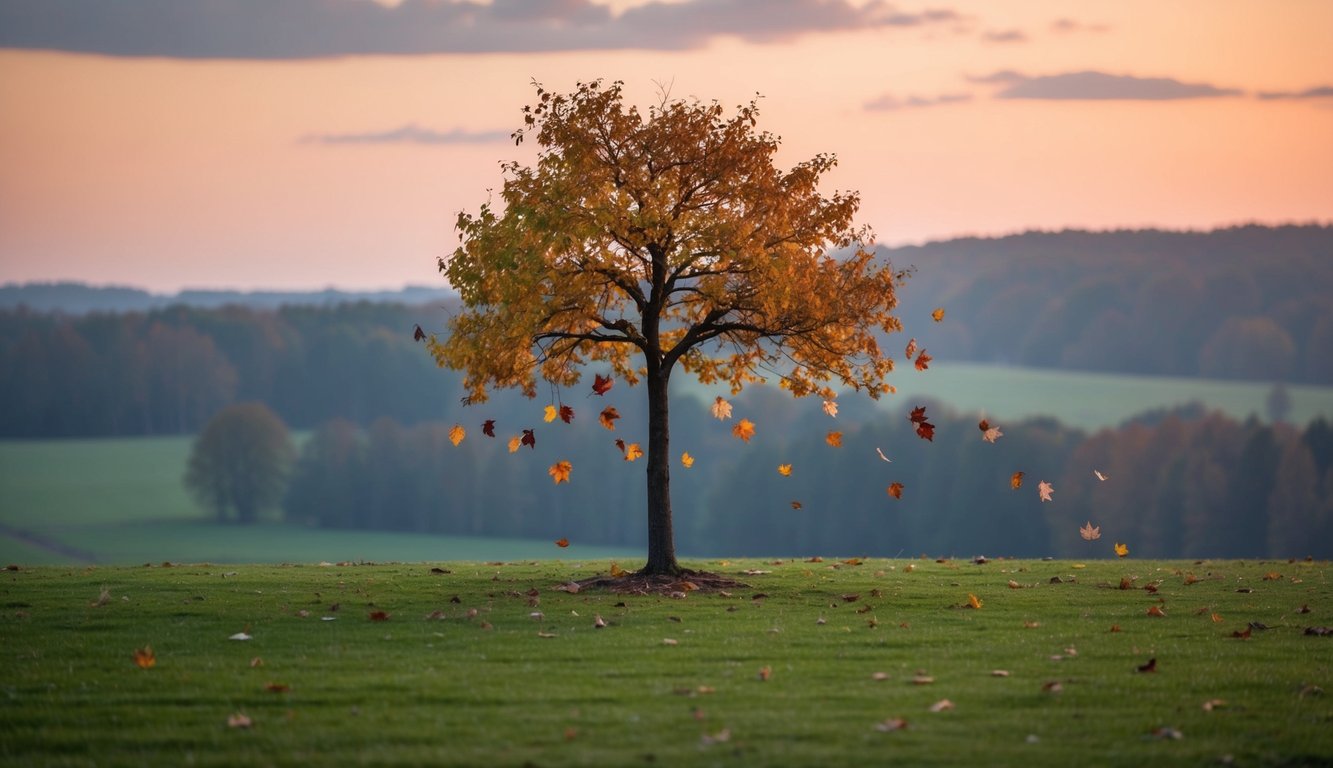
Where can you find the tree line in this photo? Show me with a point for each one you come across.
(1183, 483)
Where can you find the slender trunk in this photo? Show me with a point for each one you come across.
(661, 539)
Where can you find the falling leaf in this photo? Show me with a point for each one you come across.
(1016, 480)
(686, 460)
(145, 658)
(923, 360)
(924, 429)
(721, 409)
(744, 429)
(633, 451)
(566, 414)
(896, 490)
(514, 444)
(529, 439)
(562, 543)
(831, 408)
(834, 439)
(991, 434)
(1121, 550)
(559, 471)
(550, 414)
(882, 456)
(1044, 490)
(621, 445)
(607, 418)
(601, 384)
(418, 334)
(488, 427)
(973, 601)
(456, 434)
(784, 470)
(1099, 475)
(1089, 532)
(938, 314)
(910, 352)
(796, 505)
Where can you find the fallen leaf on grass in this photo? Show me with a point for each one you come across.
(1052, 686)
(943, 705)
(765, 672)
(239, 720)
(973, 601)
(1319, 631)
(891, 725)
(240, 636)
(1213, 705)
(1156, 611)
(1242, 634)
(1149, 666)
(999, 673)
(277, 687)
(379, 616)
(144, 657)
(547, 635)
(670, 641)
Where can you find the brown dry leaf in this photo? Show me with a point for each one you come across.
(834, 439)
(943, 705)
(1016, 480)
(617, 571)
(1213, 705)
(239, 720)
(670, 641)
(1089, 532)
(923, 680)
(277, 687)
(379, 616)
(892, 724)
(896, 490)
(721, 409)
(765, 672)
(562, 543)
(1149, 666)
(607, 418)
(1156, 610)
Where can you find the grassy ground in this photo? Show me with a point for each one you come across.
(461, 672)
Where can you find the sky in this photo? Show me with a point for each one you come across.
(308, 144)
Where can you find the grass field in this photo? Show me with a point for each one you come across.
(812, 663)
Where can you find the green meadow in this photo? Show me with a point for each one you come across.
(820, 662)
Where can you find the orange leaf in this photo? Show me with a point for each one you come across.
(831, 408)
(1089, 532)
(784, 470)
(923, 361)
(562, 543)
(896, 490)
(973, 601)
(1121, 550)
(144, 657)
(456, 434)
(721, 409)
(633, 451)
(911, 349)
(744, 429)
(1016, 480)
(1156, 610)
(617, 571)
(559, 471)
(514, 444)
(608, 417)
(488, 427)
(796, 505)
(834, 439)
(601, 384)
(686, 460)
(938, 314)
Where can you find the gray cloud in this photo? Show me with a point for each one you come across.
(1318, 92)
(300, 29)
(889, 103)
(409, 134)
(1090, 85)
(1005, 36)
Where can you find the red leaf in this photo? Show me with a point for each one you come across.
(923, 361)
(566, 414)
(926, 431)
(601, 384)
(918, 414)
(562, 543)
(896, 490)
(488, 427)
(529, 439)
(379, 616)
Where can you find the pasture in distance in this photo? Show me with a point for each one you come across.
(814, 662)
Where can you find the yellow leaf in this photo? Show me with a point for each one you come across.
(938, 314)
(457, 433)
(633, 451)
(559, 471)
(617, 571)
(687, 460)
(744, 429)
(834, 439)
(514, 443)
(784, 470)
(721, 409)
(550, 414)
(1121, 550)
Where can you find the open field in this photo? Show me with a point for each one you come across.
(812, 663)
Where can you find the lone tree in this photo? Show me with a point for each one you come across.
(665, 242)
(240, 462)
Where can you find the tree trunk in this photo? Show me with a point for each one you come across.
(661, 539)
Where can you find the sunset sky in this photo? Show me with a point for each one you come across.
(303, 144)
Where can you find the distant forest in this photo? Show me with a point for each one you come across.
(1242, 303)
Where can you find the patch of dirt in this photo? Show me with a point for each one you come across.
(662, 584)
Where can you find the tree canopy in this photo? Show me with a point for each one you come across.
(650, 241)
(239, 463)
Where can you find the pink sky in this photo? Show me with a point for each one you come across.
(333, 142)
